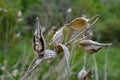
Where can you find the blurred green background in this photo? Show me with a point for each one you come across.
(17, 20)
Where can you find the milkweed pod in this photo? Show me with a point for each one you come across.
(66, 52)
(79, 24)
(58, 37)
(82, 74)
(39, 45)
(49, 54)
(88, 76)
(93, 46)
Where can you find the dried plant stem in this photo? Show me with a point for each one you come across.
(69, 42)
(97, 17)
(85, 60)
(96, 69)
(79, 39)
(31, 68)
(105, 66)
(4, 69)
(9, 74)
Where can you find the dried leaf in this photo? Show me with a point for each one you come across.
(58, 37)
(39, 45)
(79, 24)
(66, 52)
(92, 46)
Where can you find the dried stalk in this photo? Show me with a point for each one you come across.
(105, 66)
(79, 40)
(69, 42)
(96, 68)
(97, 17)
(31, 68)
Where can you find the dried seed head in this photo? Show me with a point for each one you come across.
(38, 40)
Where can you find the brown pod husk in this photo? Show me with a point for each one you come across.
(39, 44)
(91, 47)
(79, 24)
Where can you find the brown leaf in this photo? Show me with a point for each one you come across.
(38, 40)
(92, 46)
(79, 24)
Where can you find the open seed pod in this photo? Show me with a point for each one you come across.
(91, 47)
(64, 48)
(49, 54)
(39, 44)
(88, 76)
(82, 74)
(58, 37)
(79, 24)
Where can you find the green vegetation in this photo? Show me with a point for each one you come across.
(16, 51)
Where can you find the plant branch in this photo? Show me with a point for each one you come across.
(31, 68)
(69, 42)
(97, 17)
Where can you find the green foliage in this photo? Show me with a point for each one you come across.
(8, 21)
(109, 29)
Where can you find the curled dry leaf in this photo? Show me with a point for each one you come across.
(58, 37)
(79, 24)
(38, 40)
(92, 46)
(66, 52)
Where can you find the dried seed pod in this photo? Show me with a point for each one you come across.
(79, 24)
(39, 45)
(49, 54)
(58, 37)
(82, 74)
(66, 52)
(88, 76)
(92, 46)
